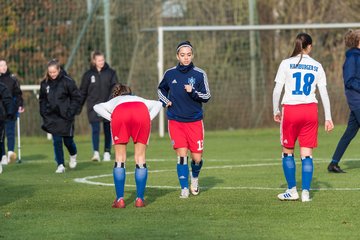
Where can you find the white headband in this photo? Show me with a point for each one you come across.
(185, 45)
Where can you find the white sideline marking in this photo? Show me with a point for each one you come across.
(87, 180)
(297, 160)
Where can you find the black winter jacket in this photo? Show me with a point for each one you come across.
(96, 87)
(13, 85)
(60, 101)
(7, 105)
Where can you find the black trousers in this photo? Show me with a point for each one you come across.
(2, 136)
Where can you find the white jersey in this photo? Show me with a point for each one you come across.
(300, 79)
(105, 109)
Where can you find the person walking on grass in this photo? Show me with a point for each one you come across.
(96, 86)
(183, 90)
(129, 116)
(7, 111)
(298, 117)
(13, 85)
(351, 76)
(60, 101)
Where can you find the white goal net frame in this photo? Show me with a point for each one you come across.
(252, 28)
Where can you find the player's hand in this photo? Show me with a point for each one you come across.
(277, 117)
(21, 110)
(329, 125)
(188, 88)
(168, 104)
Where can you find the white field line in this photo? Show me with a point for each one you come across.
(88, 180)
(297, 160)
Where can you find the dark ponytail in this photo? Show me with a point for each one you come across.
(302, 41)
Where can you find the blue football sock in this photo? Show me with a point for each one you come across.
(195, 168)
(335, 161)
(307, 172)
(183, 172)
(119, 179)
(289, 168)
(141, 173)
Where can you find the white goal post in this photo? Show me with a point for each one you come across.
(34, 88)
(160, 30)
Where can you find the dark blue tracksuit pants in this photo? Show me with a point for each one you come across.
(350, 132)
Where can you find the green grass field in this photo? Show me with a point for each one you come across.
(240, 180)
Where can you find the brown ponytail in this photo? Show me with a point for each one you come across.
(302, 41)
(120, 90)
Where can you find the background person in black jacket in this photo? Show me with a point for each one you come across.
(6, 112)
(60, 101)
(13, 85)
(96, 87)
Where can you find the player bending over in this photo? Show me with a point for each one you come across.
(129, 116)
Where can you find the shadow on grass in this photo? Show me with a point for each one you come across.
(151, 194)
(34, 157)
(11, 193)
(315, 185)
(350, 165)
(209, 182)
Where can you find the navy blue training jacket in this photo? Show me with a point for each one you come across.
(186, 107)
(351, 75)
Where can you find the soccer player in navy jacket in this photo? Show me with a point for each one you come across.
(351, 76)
(182, 91)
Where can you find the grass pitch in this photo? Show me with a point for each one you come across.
(240, 180)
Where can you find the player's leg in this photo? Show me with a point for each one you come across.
(95, 135)
(308, 141)
(120, 136)
(288, 135)
(141, 173)
(59, 153)
(183, 171)
(195, 136)
(107, 143)
(307, 172)
(119, 174)
(289, 169)
(4, 159)
(140, 133)
(71, 147)
(179, 141)
(196, 165)
(10, 136)
(350, 132)
(2, 133)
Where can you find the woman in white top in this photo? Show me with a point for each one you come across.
(129, 116)
(299, 115)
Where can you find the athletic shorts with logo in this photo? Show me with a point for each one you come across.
(299, 122)
(130, 119)
(188, 135)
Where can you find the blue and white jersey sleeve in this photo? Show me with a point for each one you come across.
(163, 91)
(201, 91)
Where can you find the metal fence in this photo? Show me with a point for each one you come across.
(241, 65)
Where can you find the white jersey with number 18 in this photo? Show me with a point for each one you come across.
(300, 79)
